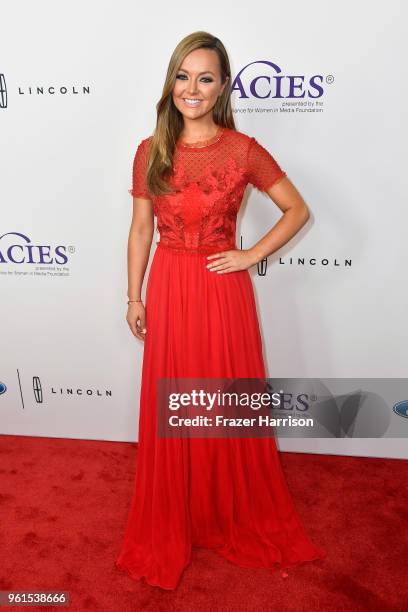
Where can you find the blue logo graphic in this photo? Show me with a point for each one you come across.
(401, 408)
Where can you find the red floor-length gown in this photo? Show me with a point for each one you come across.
(228, 494)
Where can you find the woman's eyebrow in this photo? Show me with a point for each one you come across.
(205, 71)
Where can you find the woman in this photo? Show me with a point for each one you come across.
(200, 320)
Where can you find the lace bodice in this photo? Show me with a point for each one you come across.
(208, 186)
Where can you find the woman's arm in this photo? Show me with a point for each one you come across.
(295, 214)
(139, 244)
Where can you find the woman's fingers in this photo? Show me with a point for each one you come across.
(137, 327)
(136, 318)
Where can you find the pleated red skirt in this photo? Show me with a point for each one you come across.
(228, 494)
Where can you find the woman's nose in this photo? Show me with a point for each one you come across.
(192, 88)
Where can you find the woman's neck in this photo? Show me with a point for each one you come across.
(196, 133)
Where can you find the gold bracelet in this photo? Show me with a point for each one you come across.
(129, 301)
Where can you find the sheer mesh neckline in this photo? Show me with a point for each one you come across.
(204, 143)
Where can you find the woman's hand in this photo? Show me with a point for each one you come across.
(231, 261)
(136, 318)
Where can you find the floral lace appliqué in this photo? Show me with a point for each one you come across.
(202, 212)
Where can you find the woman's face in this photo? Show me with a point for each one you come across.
(198, 83)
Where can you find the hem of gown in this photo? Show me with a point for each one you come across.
(137, 576)
(274, 567)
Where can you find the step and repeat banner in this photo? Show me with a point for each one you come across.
(322, 91)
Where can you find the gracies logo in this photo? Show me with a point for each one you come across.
(263, 79)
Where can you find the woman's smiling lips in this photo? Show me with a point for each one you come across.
(192, 101)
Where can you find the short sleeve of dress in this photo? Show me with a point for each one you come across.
(139, 187)
(263, 170)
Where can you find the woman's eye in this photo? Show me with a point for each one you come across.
(184, 76)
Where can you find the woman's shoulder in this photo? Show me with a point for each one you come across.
(234, 133)
(239, 138)
(142, 148)
(252, 144)
(144, 142)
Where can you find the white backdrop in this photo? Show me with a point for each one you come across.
(79, 87)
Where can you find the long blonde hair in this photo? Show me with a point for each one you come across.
(169, 122)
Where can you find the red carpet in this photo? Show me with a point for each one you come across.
(63, 506)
